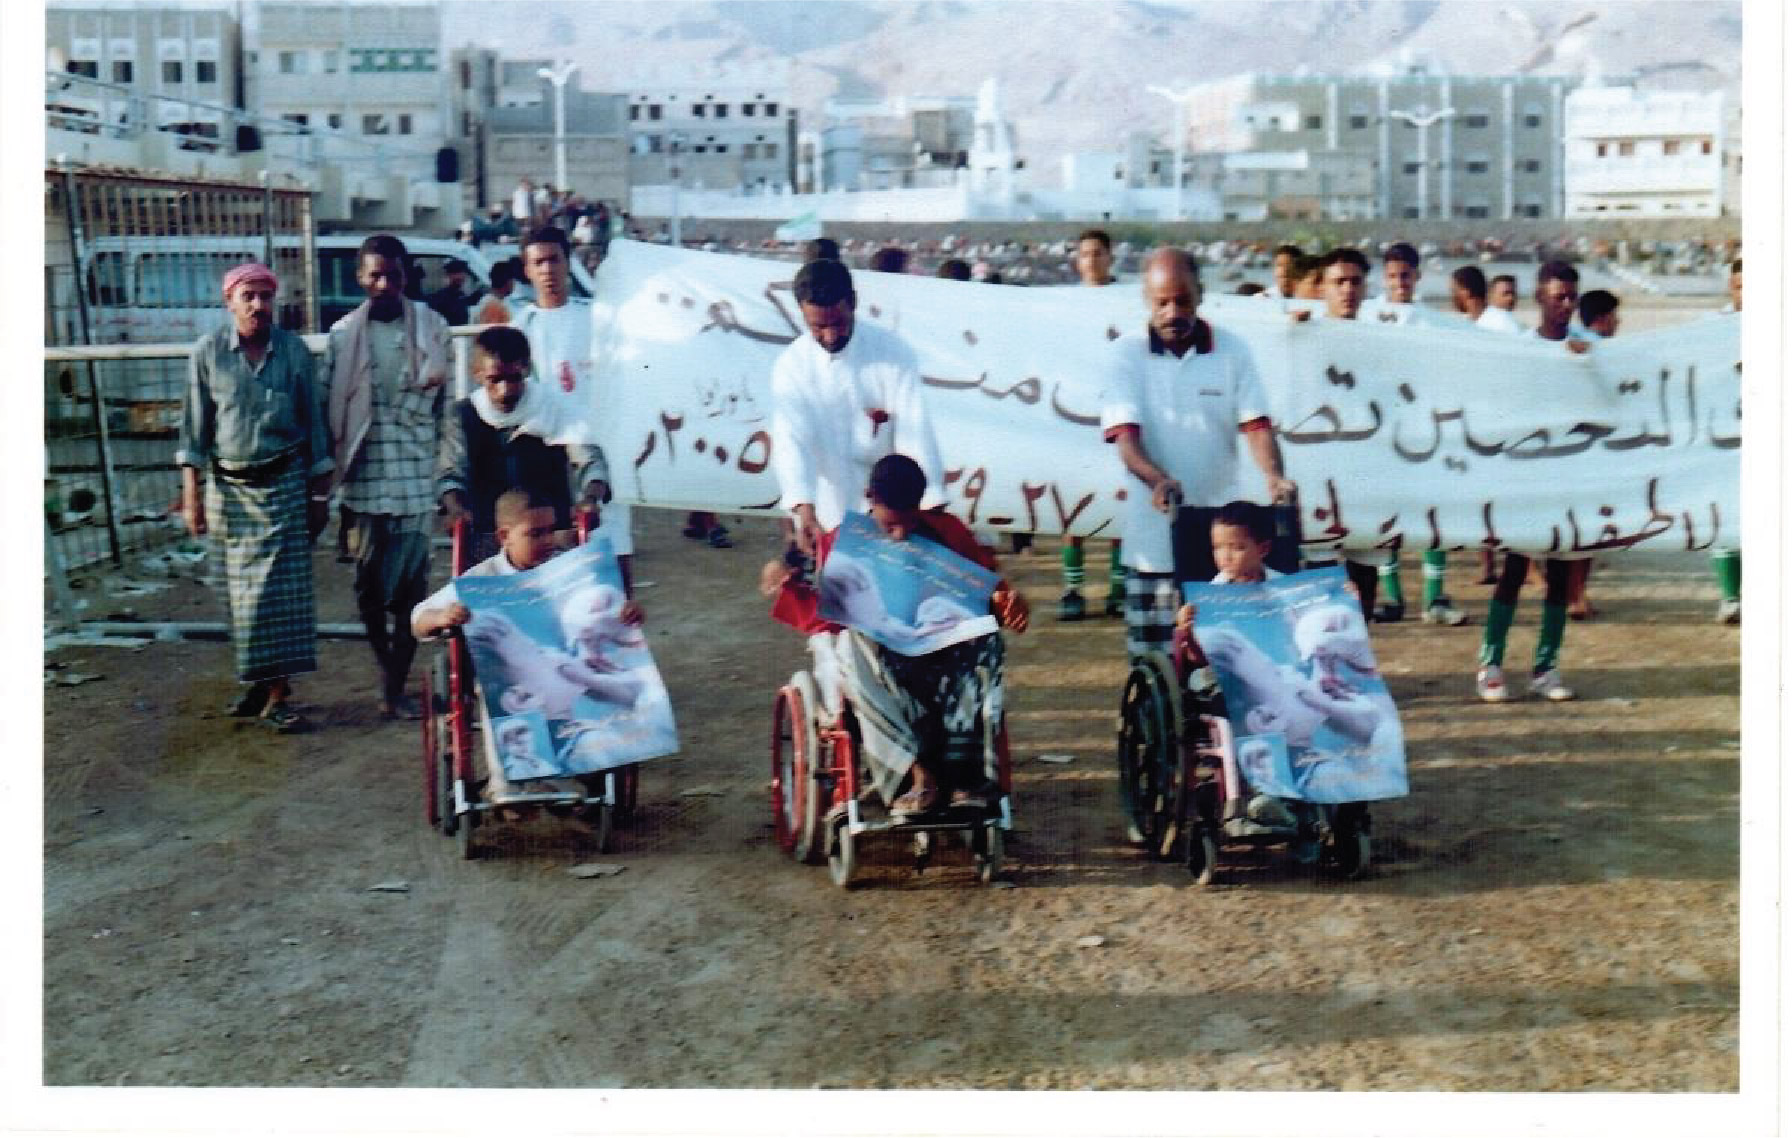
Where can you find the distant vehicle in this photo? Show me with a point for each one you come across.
(158, 290)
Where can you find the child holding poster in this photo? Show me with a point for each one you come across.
(920, 713)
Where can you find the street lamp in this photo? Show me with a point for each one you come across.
(675, 140)
(558, 77)
(1424, 120)
(1182, 99)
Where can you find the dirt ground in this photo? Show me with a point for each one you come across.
(1554, 907)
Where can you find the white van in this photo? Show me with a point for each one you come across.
(158, 290)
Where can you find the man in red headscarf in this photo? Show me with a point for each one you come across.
(253, 428)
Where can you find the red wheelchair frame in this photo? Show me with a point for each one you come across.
(450, 709)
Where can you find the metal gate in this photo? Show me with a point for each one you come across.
(135, 259)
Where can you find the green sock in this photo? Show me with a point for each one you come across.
(1116, 573)
(1073, 566)
(1728, 564)
(1390, 580)
(1434, 576)
(1493, 637)
(1549, 638)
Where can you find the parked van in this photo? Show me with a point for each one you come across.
(150, 290)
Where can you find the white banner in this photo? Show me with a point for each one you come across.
(1421, 436)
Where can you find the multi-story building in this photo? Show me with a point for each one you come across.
(169, 69)
(713, 128)
(1438, 146)
(367, 85)
(900, 142)
(519, 142)
(1631, 153)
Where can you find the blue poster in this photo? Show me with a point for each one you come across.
(913, 597)
(569, 688)
(1311, 715)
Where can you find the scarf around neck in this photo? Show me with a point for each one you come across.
(350, 410)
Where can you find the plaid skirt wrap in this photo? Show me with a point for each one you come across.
(391, 562)
(941, 705)
(1151, 604)
(267, 573)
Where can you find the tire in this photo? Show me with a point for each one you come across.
(843, 857)
(987, 853)
(628, 791)
(1203, 858)
(796, 811)
(1148, 752)
(463, 836)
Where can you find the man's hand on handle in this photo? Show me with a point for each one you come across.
(808, 530)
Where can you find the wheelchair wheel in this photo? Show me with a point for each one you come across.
(602, 816)
(1149, 751)
(796, 812)
(843, 858)
(439, 747)
(628, 790)
(1347, 849)
(986, 851)
(432, 775)
(463, 835)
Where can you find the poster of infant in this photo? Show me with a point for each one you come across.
(551, 649)
(1311, 714)
(913, 597)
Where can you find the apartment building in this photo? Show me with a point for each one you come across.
(713, 128)
(1632, 153)
(147, 68)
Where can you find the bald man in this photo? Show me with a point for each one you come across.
(1176, 400)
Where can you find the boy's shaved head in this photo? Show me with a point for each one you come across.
(513, 506)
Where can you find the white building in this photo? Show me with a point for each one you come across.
(1631, 153)
(728, 127)
(899, 142)
(132, 70)
(367, 82)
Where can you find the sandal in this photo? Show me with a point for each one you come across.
(915, 803)
(968, 800)
(250, 702)
(282, 718)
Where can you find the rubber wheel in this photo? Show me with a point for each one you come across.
(843, 857)
(1203, 857)
(1148, 753)
(463, 836)
(796, 810)
(987, 853)
(628, 791)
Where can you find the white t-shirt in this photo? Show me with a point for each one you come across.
(1188, 412)
(1222, 578)
(497, 565)
(1499, 320)
(560, 354)
(825, 438)
(1381, 310)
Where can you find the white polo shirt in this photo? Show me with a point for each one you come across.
(1188, 412)
(1499, 320)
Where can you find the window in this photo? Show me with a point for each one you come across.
(1411, 211)
(1475, 211)
(1531, 165)
(123, 70)
(653, 112)
(87, 68)
(1410, 168)
(749, 151)
(298, 120)
(769, 150)
(1533, 119)
(634, 113)
(332, 63)
(721, 110)
(335, 121)
(700, 148)
(771, 110)
(374, 124)
(1670, 147)
(1314, 122)
(1532, 210)
(292, 63)
(404, 124)
(1359, 122)
(171, 71)
(1599, 150)
(746, 110)
(1626, 149)
(1475, 121)
(1475, 166)
(206, 71)
(721, 148)
(698, 110)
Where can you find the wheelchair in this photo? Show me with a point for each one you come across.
(457, 800)
(1181, 793)
(818, 778)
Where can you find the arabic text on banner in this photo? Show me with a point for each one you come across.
(1452, 437)
(913, 597)
(1311, 716)
(569, 688)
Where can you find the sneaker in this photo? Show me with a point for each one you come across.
(1390, 612)
(1070, 605)
(1549, 685)
(1729, 611)
(1490, 685)
(1441, 611)
(719, 539)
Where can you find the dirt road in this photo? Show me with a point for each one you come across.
(1555, 906)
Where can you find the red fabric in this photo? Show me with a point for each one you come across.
(1260, 423)
(796, 602)
(1120, 431)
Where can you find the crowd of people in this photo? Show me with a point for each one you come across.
(268, 442)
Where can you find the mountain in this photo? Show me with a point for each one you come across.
(1074, 72)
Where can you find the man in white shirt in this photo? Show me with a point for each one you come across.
(1175, 402)
(843, 397)
(558, 325)
(1398, 302)
(1094, 269)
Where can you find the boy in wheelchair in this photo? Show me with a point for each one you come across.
(526, 535)
(920, 716)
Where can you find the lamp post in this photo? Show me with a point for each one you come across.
(674, 141)
(1424, 120)
(1182, 99)
(558, 77)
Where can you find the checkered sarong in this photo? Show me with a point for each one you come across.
(391, 562)
(267, 571)
(1151, 604)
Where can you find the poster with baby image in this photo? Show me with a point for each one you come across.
(913, 597)
(1311, 715)
(569, 687)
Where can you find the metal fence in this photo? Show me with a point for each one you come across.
(136, 260)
